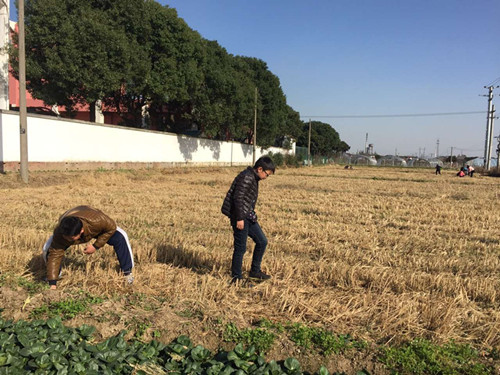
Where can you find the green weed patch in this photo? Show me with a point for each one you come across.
(32, 287)
(262, 339)
(66, 309)
(423, 357)
(315, 338)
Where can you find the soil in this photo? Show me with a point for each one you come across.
(137, 314)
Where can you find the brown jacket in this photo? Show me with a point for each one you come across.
(96, 225)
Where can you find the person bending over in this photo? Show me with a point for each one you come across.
(80, 225)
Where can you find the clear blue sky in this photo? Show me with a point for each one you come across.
(371, 57)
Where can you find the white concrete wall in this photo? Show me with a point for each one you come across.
(52, 140)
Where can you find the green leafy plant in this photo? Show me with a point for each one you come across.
(265, 323)
(292, 161)
(32, 287)
(327, 342)
(423, 357)
(262, 339)
(292, 366)
(48, 347)
(66, 309)
(140, 327)
(277, 158)
(301, 335)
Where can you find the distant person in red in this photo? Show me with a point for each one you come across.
(80, 225)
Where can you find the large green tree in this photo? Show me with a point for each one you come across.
(172, 55)
(175, 53)
(272, 110)
(224, 104)
(292, 127)
(325, 140)
(131, 52)
(76, 52)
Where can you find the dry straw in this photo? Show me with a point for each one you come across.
(382, 254)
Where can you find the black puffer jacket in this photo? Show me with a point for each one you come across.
(242, 195)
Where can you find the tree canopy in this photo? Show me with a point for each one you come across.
(324, 139)
(75, 52)
(126, 53)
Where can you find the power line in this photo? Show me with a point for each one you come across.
(398, 115)
(494, 82)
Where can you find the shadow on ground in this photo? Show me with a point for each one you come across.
(37, 268)
(179, 257)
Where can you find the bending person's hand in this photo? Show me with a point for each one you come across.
(90, 249)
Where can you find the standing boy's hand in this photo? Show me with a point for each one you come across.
(240, 224)
(90, 249)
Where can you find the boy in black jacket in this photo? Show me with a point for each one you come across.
(239, 206)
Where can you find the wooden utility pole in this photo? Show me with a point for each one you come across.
(255, 126)
(309, 146)
(23, 123)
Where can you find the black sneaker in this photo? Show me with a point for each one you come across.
(259, 275)
(241, 282)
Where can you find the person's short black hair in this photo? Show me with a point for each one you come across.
(266, 163)
(70, 226)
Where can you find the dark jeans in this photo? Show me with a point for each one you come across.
(119, 241)
(253, 231)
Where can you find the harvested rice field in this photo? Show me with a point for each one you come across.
(385, 255)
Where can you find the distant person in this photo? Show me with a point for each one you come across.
(80, 225)
(55, 110)
(471, 170)
(438, 169)
(461, 173)
(239, 206)
(145, 117)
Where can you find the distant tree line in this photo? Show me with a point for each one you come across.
(128, 53)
